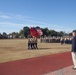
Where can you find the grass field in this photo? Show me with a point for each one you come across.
(16, 49)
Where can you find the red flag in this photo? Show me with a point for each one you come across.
(34, 32)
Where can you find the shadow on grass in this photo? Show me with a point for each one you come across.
(40, 49)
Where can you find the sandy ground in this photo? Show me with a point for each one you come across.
(16, 49)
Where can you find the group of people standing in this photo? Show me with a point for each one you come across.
(32, 43)
(62, 40)
(66, 40)
(49, 39)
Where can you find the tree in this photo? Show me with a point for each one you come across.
(45, 31)
(4, 35)
(38, 27)
(0, 36)
(21, 33)
(62, 33)
(26, 31)
(53, 33)
(15, 35)
(48, 32)
(70, 34)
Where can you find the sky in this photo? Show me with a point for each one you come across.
(59, 15)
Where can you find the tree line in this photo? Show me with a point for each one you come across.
(25, 32)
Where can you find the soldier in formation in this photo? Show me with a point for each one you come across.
(62, 40)
(32, 43)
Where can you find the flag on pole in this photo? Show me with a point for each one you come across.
(39, 31)
(35, 32)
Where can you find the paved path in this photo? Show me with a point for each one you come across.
(37, 66)
(65, 71)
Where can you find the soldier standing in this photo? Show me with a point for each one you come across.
(73, 51)
(29, 43)
(35, 40)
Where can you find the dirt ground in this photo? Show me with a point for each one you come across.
(16, 49)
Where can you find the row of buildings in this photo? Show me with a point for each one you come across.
(10, 36)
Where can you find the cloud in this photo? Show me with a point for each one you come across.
(29, 19)
(18, 16)
(24, 18)
(11, 27)
(31, 22)
(5, 16)
(10, 24)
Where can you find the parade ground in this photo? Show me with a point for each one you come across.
(49, 59)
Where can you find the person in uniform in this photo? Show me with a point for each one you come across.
(41, 39)
(73, 51)
(32, 43)
(35, 43)
(29, 43)
(62, 40)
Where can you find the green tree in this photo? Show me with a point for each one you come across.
(62, 33)
(53, 33)
(26, 31)
(0, 36)
(21, 33)
(70, 34)
(45, 31)
(4, 35)
(15, 34)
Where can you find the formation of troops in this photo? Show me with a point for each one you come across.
(62, 40)
(32, 41)
(66, 40)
